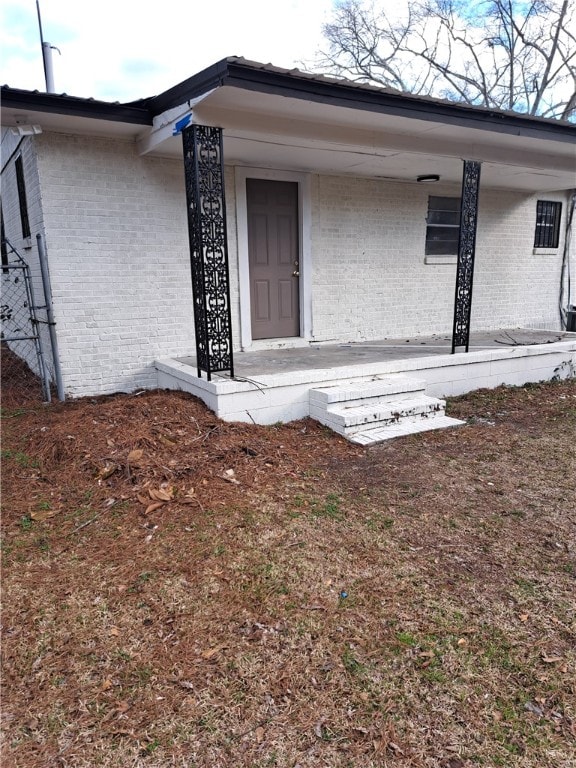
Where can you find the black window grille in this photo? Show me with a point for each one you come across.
(3, 241)
(442, 226)
(548, 214)
(22, 197)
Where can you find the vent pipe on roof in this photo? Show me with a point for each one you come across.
(48, 68)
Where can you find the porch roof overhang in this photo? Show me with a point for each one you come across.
(276, 118)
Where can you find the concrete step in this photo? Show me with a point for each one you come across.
(386, 386)
(403, 428)
(368, 412)
(347, 418)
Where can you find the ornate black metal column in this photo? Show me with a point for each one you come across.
(466, 252)
(204, 174)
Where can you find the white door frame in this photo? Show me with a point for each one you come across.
(304, 246)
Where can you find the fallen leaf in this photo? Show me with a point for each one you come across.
(135, 456)
(427, 655)
(143, 499)
(106, 685)
(211, 652)
(531, 707)
(259, 734)
(186, 684)
(166, 441)
(462, 641)
(43, 514)
(161, 494)
(106, 471)
(114, 631)
(523, 617)
(550, 659)
(122, 707)
(153, 507)
(395, 748)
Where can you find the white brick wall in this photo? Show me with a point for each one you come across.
(368, 246)
(12, 147)
(117, 242)
(118, 250)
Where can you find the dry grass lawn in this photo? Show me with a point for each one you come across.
(178, 591)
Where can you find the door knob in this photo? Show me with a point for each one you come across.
(296, 274)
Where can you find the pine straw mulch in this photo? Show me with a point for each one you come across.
(179, 591)
(20, 385)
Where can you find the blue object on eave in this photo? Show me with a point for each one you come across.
(181, 124)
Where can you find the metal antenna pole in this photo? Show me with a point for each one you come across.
(46, 55)
(42, 42)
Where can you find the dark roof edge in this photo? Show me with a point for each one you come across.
(238, 72)
(347, 94)
(194, 86)
(266, 78)
(61, 103)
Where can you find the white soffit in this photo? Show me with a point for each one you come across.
(286, 133)
(62, 123)
(271, 131)
(236, 108)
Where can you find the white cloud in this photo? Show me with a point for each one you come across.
(120, 50)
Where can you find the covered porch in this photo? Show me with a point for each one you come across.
(363, 249)
(274, 384)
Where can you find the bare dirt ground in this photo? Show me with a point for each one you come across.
(178, 591)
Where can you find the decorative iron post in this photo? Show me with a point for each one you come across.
(466, 252)
(204, 176)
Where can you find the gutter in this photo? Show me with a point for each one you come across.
(62, 104)
(400, 104)
(251, 76)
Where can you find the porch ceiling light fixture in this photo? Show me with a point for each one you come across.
(429, 177)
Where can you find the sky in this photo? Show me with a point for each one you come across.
(122, 50)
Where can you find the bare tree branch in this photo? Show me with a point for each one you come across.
(506, 54)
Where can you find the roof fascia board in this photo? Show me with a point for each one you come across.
(340, 94)
(164, 125)
(62, 104)
(197, 85)
(239, 74)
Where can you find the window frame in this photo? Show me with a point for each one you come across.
(547, 226)
(431, 251)
(22, 201)
(4, 246)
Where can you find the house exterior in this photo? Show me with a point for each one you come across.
(320, 211)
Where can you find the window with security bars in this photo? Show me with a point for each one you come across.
(4, 245)
(442, 226)
(548, 214)
(21, 184)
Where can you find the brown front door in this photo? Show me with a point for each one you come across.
(273, 258)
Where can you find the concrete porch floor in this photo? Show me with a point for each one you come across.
(273, 385)
(317, 356)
